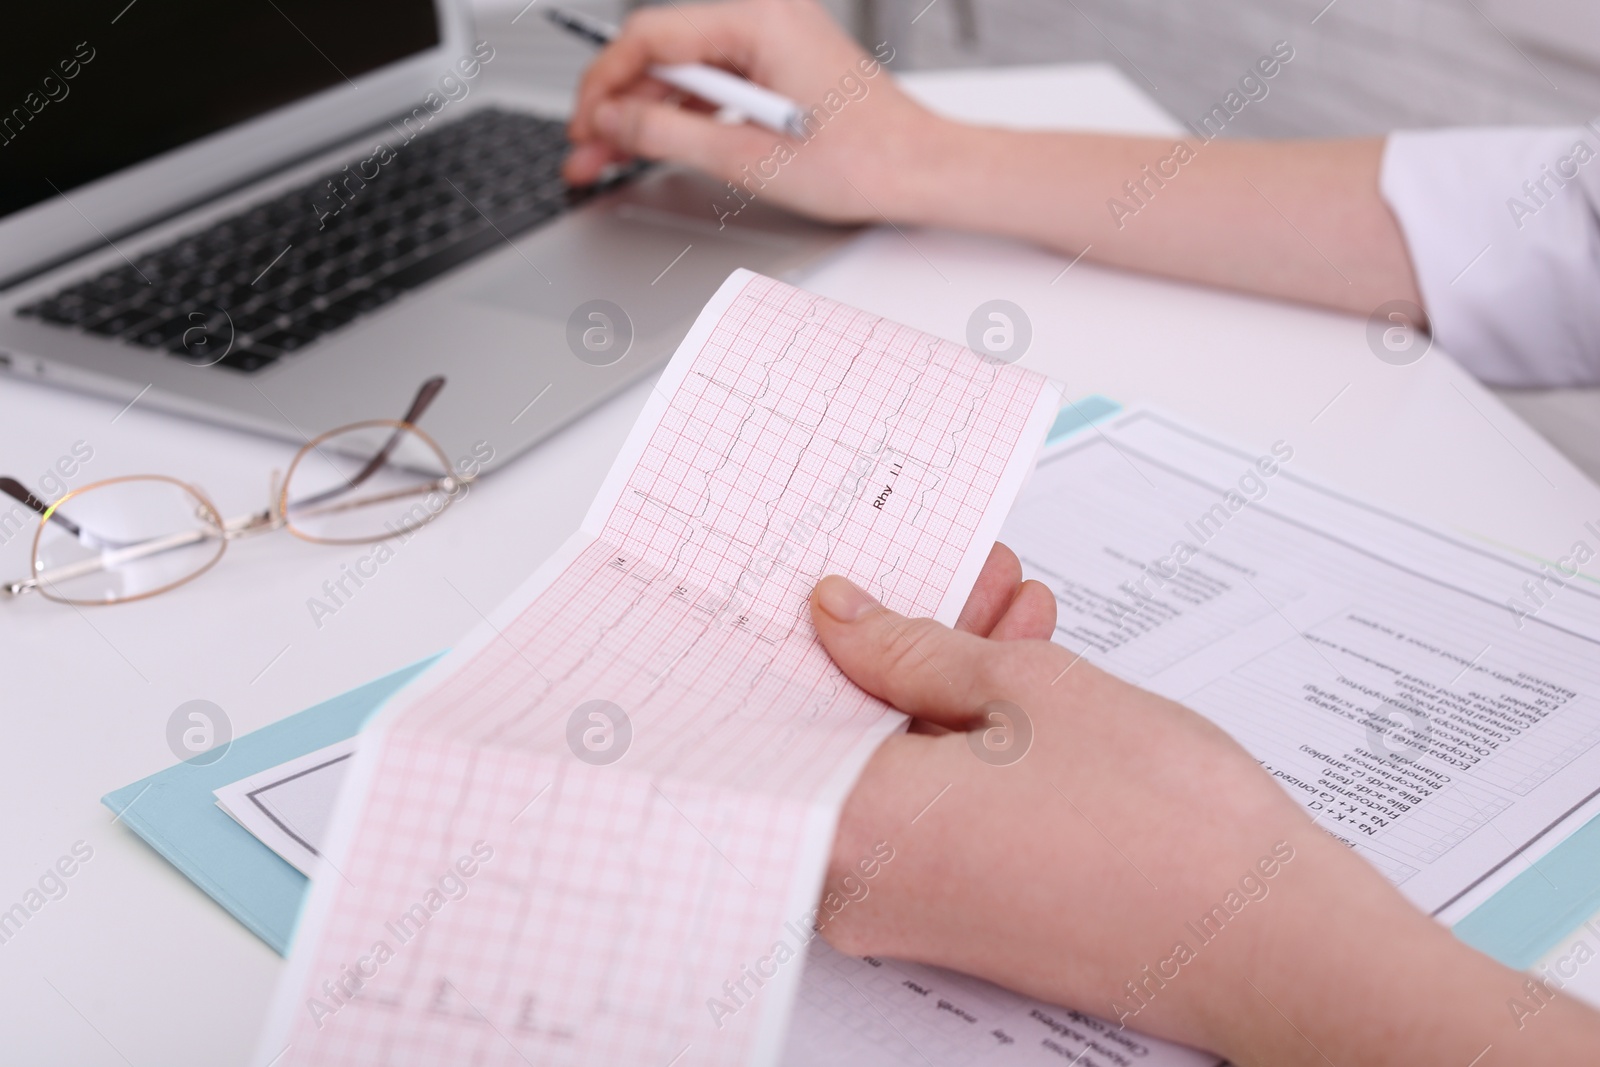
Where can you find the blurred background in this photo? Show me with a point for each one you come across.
(1360, 66)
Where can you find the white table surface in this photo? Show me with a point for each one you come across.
(135, 965)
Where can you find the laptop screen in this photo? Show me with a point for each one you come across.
(87, 89)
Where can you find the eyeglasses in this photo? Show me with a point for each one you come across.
(133, 537)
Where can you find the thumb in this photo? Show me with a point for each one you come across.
(657, 130)
(921, 667)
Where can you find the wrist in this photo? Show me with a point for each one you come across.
(989, 180)
(1345, 969)
(931, 170)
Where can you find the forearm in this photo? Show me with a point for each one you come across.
(1302, 220)
(1349, 973)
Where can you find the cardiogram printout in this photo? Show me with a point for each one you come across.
(618, 795)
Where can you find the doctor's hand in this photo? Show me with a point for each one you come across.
(1062, 833)
(865, 135)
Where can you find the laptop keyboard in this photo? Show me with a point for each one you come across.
(269, 280)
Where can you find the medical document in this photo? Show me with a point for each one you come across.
(565, 840)
(890, 1013)
(1432, 702)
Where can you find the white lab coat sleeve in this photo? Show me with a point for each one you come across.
(1503, 226)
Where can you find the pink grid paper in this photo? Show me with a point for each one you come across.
(620, 898)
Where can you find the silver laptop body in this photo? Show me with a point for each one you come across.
(531, 325)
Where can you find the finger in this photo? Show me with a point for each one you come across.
(1031, 615)
(718, 34)
(919, 666)
(660, 131)
(993, 593)
(587, 161)
(645, 88)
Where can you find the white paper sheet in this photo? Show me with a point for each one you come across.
(889, 1013)
(289, 808)
(1379, 669)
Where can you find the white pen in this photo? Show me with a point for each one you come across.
(760, 105)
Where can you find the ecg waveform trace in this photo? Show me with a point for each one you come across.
(608, 905)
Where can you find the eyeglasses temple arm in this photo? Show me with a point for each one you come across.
(114, 558)
(419, 405)
(135, 551)
(17, 491)
(425, 396)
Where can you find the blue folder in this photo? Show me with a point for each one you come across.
(176, 813)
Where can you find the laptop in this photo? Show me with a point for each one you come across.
(285, 215)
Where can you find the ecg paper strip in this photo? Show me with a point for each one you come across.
(500, 901)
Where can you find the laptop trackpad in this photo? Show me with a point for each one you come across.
(659, 266)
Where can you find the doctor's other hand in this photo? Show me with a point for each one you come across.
(864, 135)
(1075, 838)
